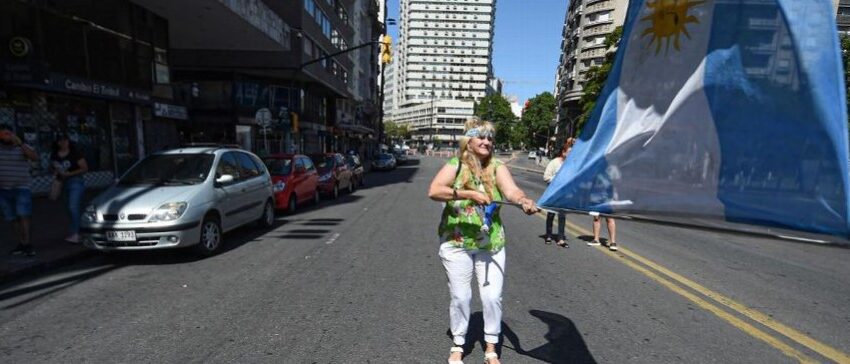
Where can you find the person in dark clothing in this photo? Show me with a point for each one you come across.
(69, 166)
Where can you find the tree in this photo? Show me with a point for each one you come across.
(497, 109)
(596, 77)
(396, 132)
(537, 117)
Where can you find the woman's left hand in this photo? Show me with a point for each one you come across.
(528, 206)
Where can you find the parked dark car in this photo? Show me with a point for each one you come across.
(384, 162)
(400, 158)
(294, 180)
(356, 167)
(334, 173)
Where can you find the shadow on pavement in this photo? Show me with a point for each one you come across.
(564, 341)
(50, 286)
(402, 174)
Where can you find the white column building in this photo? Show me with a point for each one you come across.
(444, 63)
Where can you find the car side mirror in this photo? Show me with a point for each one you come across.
(224, 179)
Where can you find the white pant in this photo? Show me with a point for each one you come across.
(489, 271)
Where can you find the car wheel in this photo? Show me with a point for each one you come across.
(335, 193)
(211, 237)
(292, 204)
(267, 220)
(317, 197)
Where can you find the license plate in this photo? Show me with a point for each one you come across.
(121, 235)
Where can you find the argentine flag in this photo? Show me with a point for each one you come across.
(724, 110)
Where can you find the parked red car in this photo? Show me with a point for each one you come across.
(334, 173)
(294, 180)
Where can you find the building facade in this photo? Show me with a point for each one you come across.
(842, 17)
(444, 58)
(98, 71)
(317, 91)
(586, 24)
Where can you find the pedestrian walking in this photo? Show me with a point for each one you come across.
(15, 190)
(612, 232)
(551, 170)
(69, 165)
(469, 246)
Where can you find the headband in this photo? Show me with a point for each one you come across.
(477, 132)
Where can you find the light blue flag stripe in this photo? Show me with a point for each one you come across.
(776, 110)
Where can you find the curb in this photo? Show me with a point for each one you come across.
(41, 267)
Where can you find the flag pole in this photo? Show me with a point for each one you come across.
(770, 234)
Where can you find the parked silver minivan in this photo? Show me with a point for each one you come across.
(179, 198)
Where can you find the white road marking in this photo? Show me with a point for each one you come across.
(332, 239)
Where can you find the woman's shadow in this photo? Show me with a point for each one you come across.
(564, 343)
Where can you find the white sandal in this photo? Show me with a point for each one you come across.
(489, 356)
(456, 349)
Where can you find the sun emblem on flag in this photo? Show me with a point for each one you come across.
(669, 20)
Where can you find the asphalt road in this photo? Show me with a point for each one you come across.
(358, 280)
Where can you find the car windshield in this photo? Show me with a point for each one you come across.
(385, 156)
(170, 170)
(279, 167)
(323, 163)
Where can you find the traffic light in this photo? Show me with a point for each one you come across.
(293, 119)
(386, 49)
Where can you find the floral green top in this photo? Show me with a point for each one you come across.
(462, 220)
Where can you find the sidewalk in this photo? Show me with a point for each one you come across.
(48, 231)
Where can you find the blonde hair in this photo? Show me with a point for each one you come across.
(476, 170)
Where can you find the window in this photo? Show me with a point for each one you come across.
(308, 164)
(247, 166)
(228, 165)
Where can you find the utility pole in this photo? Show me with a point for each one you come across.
(381, 94)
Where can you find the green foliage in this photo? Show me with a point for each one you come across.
(497, 109)
(395, 131)
(537, 117)
(596, 77)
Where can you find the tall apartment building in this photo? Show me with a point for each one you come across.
(444, 63)
(586, 25)
(842, 9)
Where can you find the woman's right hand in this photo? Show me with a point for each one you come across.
(479, 198)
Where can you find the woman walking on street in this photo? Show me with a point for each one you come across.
(467, 184)
(69, 165)
(551, 170)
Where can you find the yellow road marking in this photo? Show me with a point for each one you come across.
(797, 336)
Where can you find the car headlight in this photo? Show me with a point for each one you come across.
(325, 177)
(90, 214)
(168, 212)
(278, 186)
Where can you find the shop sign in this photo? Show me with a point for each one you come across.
(87, 87)
(170, 111)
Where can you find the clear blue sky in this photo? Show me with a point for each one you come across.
(527, 44)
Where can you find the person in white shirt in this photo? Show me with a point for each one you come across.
(551, 170)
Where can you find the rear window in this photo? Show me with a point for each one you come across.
(279, 167)
(323, 163)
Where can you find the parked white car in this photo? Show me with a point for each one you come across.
(532, 155)
(180, 198)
